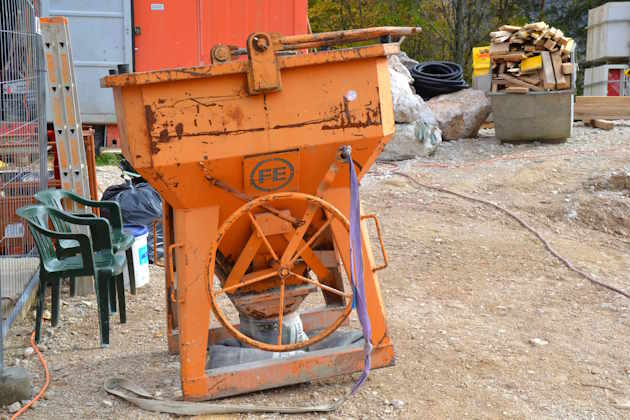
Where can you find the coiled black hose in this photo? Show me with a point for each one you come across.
(433, 78)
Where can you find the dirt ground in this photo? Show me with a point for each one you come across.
(486, 324)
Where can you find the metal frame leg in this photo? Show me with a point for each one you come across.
(193, 305)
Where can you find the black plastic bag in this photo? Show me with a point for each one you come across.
(140, 204)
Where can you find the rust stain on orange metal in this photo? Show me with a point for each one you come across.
(246, 154)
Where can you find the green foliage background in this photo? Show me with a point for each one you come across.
(451, 28)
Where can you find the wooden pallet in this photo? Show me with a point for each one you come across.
(589, 108)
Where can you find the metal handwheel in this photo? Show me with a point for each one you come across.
(287, 242)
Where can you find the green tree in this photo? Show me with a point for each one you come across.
(451, 28)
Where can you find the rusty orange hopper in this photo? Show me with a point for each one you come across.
(248, 156)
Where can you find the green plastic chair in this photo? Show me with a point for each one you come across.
(121, 241)
(95, 258)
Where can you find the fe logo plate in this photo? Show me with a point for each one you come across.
(273, 172)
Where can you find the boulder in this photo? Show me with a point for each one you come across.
(410, 141)
(460, 114)
(395, 64)
(417, 132)
(15, 385)
(406, 104)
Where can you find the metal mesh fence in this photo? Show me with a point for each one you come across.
(23, 154)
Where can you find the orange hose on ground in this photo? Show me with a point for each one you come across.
(43, 389)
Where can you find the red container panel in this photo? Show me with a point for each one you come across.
(614, 82)
(176, 33)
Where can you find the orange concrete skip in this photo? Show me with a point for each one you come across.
(247, 154)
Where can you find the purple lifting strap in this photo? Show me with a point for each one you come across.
(356, 258)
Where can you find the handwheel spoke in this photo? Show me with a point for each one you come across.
(322, 286)
(262, 235)
(251, 279)
(299, 234)
(281, 311)
(244, 260)
(310, 241)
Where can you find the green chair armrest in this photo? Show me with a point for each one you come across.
(85, 244)
(99, 228)
(85, 215)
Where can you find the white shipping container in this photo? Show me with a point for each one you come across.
(608, 32)
(606, 80)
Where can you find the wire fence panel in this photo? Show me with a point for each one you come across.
(23, 149)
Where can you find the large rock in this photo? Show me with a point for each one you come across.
(15, 385)
(407, 106)
(417, 132)
(410, 141)
(460, 114)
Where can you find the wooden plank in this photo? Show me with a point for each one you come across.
(550, 44)
(514, 81)
(533, 78)
(567, 68)
(603, 124)
(517, 89)
(500, 39)
(514, 57)
(496, 83)
(500, 34)
(602, 107)
(569, 47)
(562, 82)
(499, 49)
(523, 34)
(536, 26)
(540, 41)
(510, 28)
(549, 78)
(558, 35)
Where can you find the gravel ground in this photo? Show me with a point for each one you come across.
(486, 324)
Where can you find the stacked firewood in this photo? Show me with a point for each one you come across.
(534, 57)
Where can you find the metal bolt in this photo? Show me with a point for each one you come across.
(261, 43)
(221, 53)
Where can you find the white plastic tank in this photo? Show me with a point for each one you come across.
(608, 32)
